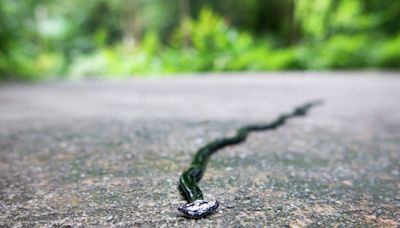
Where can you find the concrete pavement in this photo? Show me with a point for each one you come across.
(109, 153)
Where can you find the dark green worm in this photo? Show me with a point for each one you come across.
(197, 206)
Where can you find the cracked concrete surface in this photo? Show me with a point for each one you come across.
(110, 153)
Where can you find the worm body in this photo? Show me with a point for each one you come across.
(197, 206)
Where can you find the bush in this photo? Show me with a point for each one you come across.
(209, 44)
(338, 52)
(388, 53)
(40, 66)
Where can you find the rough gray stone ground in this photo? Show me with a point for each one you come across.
(110, 153)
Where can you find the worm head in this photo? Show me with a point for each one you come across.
(199, 208)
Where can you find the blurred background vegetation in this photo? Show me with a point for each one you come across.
(43, 39)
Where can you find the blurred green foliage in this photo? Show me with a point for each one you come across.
(43, 39)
